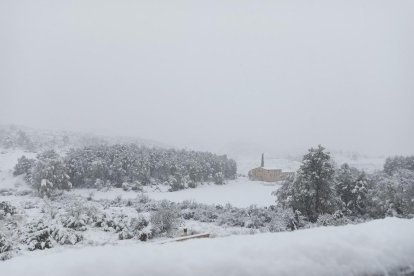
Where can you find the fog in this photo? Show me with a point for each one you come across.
(281, 75)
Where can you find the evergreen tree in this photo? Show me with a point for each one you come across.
(23, 166)
(398, 162)
(50, 173)
(311, 190)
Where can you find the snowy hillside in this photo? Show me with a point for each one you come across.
(373, 248)
(37, 139)
(8, 158)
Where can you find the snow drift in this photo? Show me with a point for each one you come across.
(377, 247)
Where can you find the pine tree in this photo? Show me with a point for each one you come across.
(351, 188)
(311, 191)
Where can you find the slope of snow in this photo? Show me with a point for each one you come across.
(8, 159)
(378, 247)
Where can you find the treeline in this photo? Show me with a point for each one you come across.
(320, 189)
(127, 166)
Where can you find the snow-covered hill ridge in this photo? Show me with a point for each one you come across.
(381, 247)
(21, 137)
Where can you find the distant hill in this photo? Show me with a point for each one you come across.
(12, 136)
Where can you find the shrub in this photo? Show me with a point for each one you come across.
(24, 166)
(6, 209)
(335, 219)
(65, 236)
(6, 248)
(37, 236)
(166, 218)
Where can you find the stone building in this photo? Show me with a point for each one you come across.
(268, 174)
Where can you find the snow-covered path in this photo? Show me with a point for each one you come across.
(376, 247)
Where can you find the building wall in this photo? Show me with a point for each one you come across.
(261, 174)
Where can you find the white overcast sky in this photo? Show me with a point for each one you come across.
(283, 74)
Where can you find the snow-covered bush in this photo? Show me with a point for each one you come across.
(391, 195)
(166, 218)
(37, 235)
(218, 178)
(203, 213)
(230, 216)
(50, 208)
(257, 217)
(65, 236)
(285, 220)
(80, 213)
(335, 219)
(126, 186)
(41, 234)
(24, 166)
(6, 248)
(6, 209)
(4, 244)
(139, 223)
(76, 222)
(136, 227)
(125, 234)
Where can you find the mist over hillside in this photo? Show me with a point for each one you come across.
(12, 136)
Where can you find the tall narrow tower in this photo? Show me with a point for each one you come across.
(262, 164)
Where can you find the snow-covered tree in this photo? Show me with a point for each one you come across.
(351, 188)
(50, 173)
(392, 164)
(24, 166)
(311, 191)
(392, 195)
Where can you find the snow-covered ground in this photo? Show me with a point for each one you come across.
(240, 193)
(8, 158)
(373, 248)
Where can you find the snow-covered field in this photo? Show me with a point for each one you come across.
(382, 247)
(372, 248)
(239, 193)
